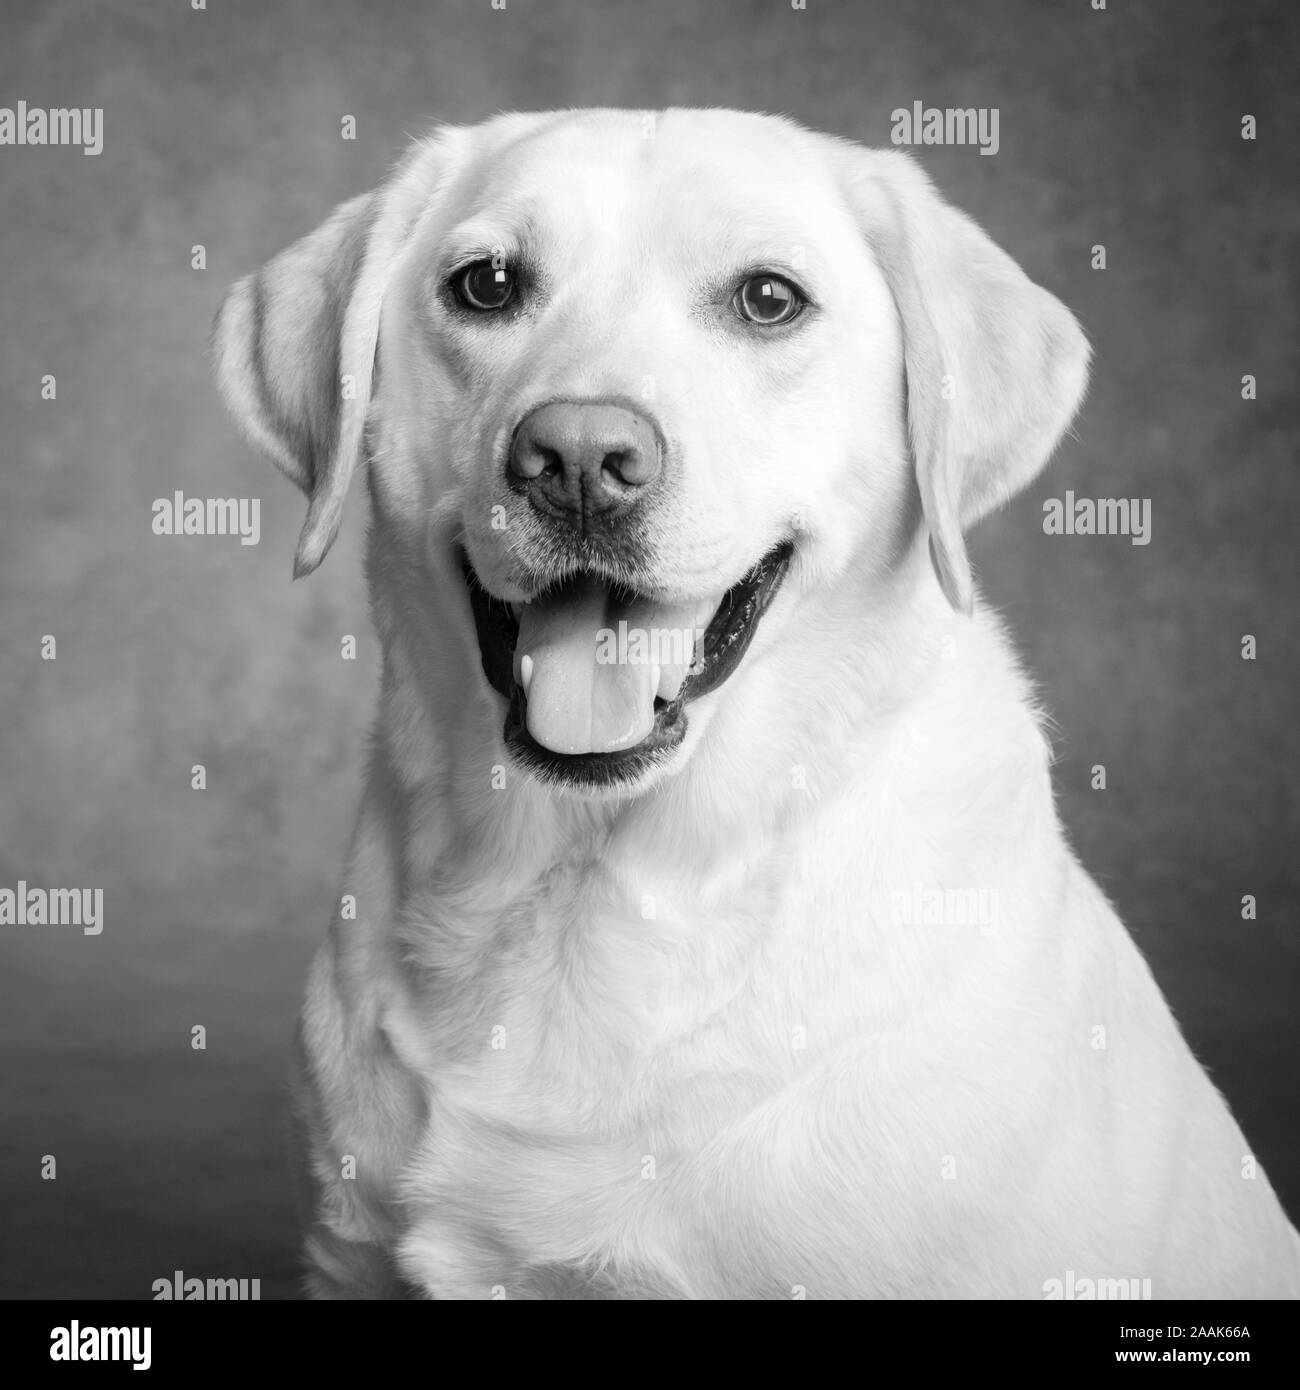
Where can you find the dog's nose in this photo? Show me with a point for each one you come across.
(586, 463)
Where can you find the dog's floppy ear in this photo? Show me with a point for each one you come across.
(995, 366)
(294, 345)
(297, 393)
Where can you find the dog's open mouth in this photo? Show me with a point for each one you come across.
(598, 678)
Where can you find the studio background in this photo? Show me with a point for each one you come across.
(222, 128)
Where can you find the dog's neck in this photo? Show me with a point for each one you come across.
(868, 762)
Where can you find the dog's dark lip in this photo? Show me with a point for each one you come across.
(726, 639)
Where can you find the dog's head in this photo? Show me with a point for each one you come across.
(634, 390)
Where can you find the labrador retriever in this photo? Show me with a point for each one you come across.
(708, 930)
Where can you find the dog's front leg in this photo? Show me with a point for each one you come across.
(350, 1269)
(349, 1226)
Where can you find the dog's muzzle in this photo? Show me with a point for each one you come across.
(598, 679)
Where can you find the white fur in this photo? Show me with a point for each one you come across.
(676, 1042)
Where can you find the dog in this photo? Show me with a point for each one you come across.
(708, 929)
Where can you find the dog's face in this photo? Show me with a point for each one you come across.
(638, 388)
(624, 342)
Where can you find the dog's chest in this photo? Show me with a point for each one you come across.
(590, 1051)
(497, 1210)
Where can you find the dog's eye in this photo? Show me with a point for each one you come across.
(767, 300)
(484, 286)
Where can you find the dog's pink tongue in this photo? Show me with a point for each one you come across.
(581, 701)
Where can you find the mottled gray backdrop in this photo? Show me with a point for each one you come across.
(222, 127)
